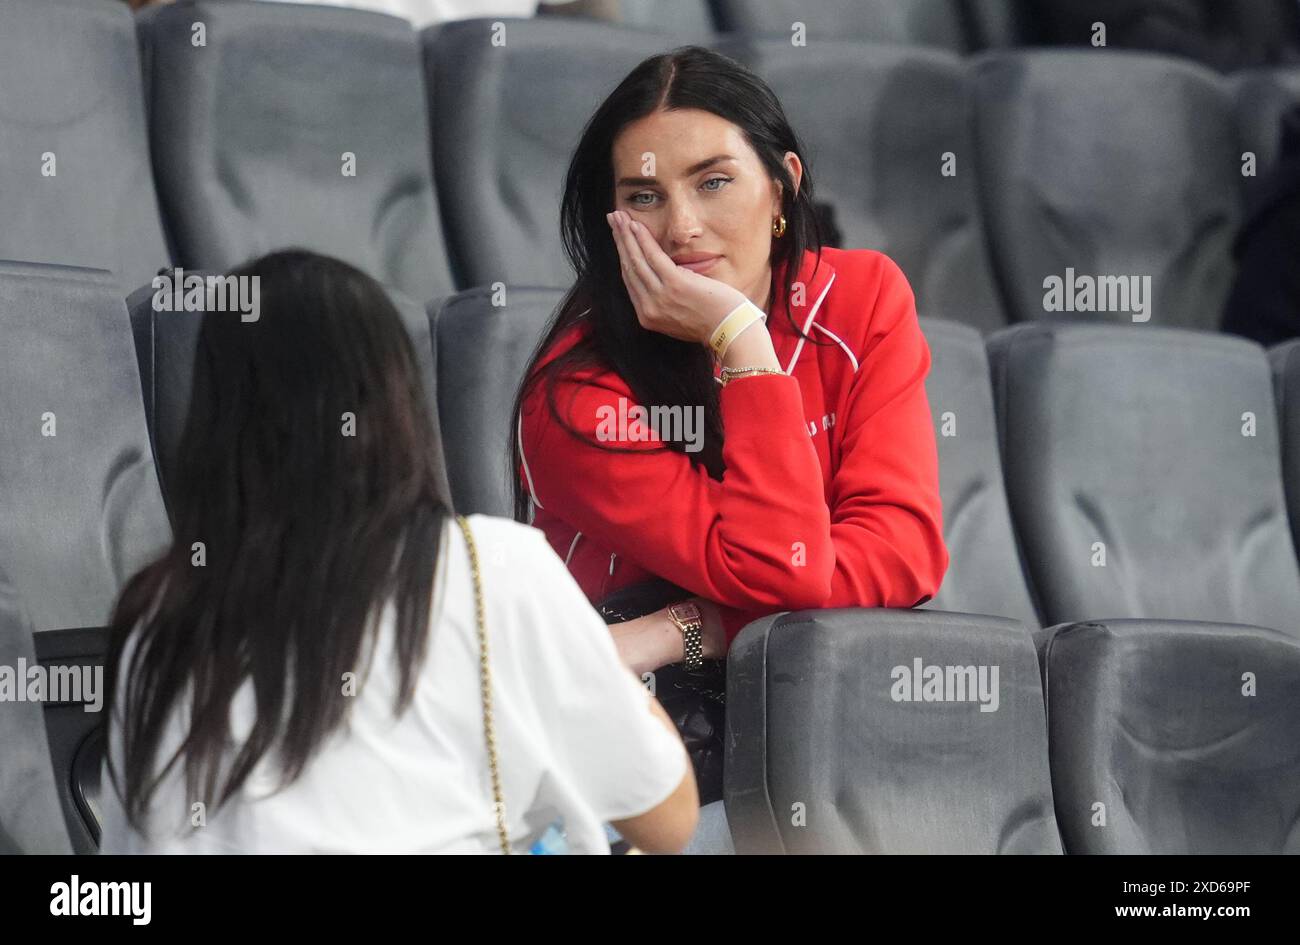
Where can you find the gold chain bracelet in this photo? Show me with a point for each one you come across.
(730, 374)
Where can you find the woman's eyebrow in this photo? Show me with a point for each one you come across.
(693, 169)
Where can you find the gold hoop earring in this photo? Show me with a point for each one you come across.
(778, 227)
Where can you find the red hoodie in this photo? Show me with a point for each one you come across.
(831, 492)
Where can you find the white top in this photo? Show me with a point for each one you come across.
(424, 13)
(575, 735)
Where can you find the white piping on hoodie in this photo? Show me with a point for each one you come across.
(808, 325)
(852, 359)
(573, 544)
(532, 492)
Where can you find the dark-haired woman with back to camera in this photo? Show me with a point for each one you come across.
(704, 290)
(307, 669)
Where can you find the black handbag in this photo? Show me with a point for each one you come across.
(695, 700)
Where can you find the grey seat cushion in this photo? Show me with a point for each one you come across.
(1175, 738)
(835, 746)
(1144, 475)
(250, 135)
(75, 184)
(1079, 172)
(80, 507)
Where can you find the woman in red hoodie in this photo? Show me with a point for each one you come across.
(705, 303)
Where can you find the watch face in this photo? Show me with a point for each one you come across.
(685, 611)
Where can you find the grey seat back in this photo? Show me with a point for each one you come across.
(1174, 738)
(80, 508)
(920, 22)
(518, 108)
(30, 818)
(75, 725)
(167, 343)
(985, 572)
(482, 352)
(293, 126)
(673, 15)
(75, 185)
(1083, 176)
(893, 154)
(1143, 471)
(1285, 361)
(835, 746)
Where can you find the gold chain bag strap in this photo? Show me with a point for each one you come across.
(485, 686)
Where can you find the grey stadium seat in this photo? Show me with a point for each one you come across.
(518, 109)
(665, 15)
(986, 574)
(166, 343)
(75, 186)
(80, 508)
(1175, 737)
(921, 22)
(1143, 471)
(75, 734)
(482, 350)
(1285, 361)
(30, 819)
(1083, 176)
(250, 131)
(877, 154)
(825, 755)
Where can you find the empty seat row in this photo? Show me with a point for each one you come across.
(436, 161)
(883, 731)
(952, 25)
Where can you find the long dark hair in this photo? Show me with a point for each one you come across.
(659, 369)
(309, 526)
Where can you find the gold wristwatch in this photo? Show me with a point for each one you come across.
(686, 616)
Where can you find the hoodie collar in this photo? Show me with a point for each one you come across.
(805, 305)
(816, 277)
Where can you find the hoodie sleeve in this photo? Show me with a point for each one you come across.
(886, 513)
(732, 541)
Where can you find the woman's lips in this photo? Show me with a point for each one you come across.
(701, 266)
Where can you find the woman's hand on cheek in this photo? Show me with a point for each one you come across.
(668, 298)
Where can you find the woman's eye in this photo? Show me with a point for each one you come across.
(635, 200)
